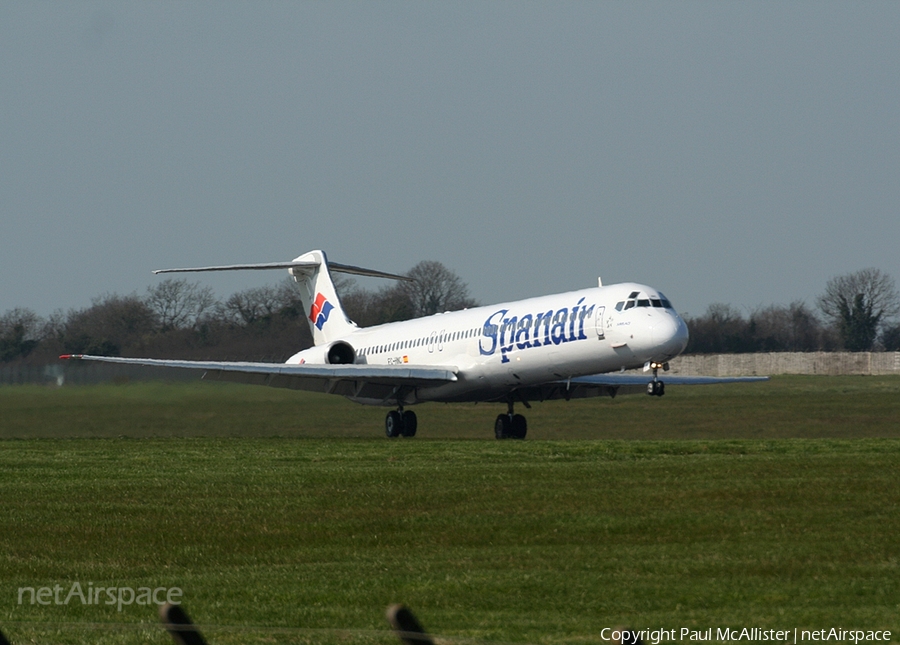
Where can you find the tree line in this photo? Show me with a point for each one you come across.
(179, 319)
(176, 318)
(856, 313)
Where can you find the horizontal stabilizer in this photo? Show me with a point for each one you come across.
(372, 273)
(243, 267)
(333, 266)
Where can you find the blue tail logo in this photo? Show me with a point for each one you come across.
(320, 311)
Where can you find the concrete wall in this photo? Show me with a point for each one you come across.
(769, 364)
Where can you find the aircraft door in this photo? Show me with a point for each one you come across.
(431, 340)
(598, 322)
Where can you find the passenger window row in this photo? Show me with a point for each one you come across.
(418, 342)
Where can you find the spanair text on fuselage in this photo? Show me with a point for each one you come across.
(531, 341)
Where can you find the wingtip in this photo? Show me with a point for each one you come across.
(66, 357)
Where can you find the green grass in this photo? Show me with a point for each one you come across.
(277, 532)
(786, 407)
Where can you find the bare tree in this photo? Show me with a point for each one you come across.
(368, 308)
(859, 304)
(436, 289)
(287, 296)
(777, 328)
(722, 329)
(344, 285)
(793, 328)
(20, 331)
(257, 304)
(890, 338)
(111, 325)
(392, 303)
(179, 304)
(252, 305)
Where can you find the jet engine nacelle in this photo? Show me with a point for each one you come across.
(340, 353)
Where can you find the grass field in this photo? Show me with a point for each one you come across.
(786, 407)
(769, 505)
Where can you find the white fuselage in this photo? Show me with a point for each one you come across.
(522, 343)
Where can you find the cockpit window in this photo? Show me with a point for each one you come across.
(658, 302)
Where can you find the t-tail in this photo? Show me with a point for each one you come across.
(312, 273)
(324, 312)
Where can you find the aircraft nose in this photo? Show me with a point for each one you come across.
(670, 335)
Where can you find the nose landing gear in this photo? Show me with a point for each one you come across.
(657, 387)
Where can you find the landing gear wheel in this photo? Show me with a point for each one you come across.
(410, 423)
(502, 426)
(393, 424)
(519, 427)
(656, 388)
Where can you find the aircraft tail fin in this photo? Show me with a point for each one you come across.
(325, 314)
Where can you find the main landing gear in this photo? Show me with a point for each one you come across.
(509, 425)
(400, 422)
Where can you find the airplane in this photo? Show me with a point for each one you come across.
(564, 346)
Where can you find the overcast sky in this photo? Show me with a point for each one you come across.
(722, 152)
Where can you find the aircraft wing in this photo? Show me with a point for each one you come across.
(634, 383)
(643, 379)
(365, 381)
(611, 385)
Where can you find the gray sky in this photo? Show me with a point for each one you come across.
(722, 152)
